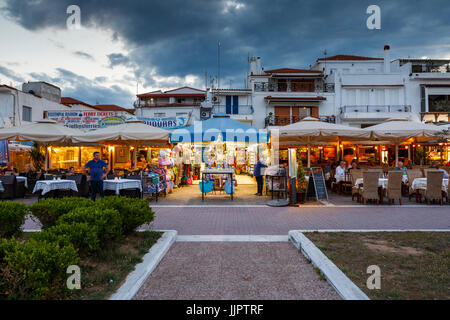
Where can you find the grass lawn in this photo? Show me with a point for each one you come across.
(414, 265)
(114, 264)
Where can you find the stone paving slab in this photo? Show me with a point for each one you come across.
(235, 270)
(276, 221)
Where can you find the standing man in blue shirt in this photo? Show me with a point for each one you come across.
(96, 175)
(258, 175)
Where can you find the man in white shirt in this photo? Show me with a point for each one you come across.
(340, 172)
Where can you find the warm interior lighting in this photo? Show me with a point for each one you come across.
(131, 148)
(406, 147)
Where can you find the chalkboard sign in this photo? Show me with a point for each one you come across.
(316, 185)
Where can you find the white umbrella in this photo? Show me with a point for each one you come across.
(311, 129)
(41, 131)
(402, 129)
(130, 131)
(44, 131)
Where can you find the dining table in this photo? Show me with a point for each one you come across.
(120, 184)
(46, 186)
(421, 183)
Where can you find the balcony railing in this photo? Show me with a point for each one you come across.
(284, 121)
(381, 108)
(294, 87)
(143, 104)
(242, 109)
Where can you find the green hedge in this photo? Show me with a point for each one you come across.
(81, 235)
(12, 217)
(107, 222)
(49, 210)
(35, 269)
(134, 212)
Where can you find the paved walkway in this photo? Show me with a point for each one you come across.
(234, 270)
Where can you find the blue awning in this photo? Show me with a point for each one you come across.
(219, 125)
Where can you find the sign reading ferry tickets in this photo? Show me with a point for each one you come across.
(88, 120)
(91, 120)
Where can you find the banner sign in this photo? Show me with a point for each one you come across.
(91, 120)
(88, 120)
(165, 123)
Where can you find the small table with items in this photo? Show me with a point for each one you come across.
(229, 172)
(119, 184)
(46, 186)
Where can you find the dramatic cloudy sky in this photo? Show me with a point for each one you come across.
(163, 44)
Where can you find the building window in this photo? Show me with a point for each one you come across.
(26, 113)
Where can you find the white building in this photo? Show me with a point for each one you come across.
(352, 90)
(18, 107)
(182, 102)
(371, 90)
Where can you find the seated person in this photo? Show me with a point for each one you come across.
(29, 171)
(340, 171)
(354, 165)
(71, 171)
(435, 165)
(401, 167)
(9, 170)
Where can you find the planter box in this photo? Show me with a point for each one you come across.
(301, 196)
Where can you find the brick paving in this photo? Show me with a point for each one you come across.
(238, 270)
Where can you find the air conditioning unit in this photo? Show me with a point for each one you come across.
(205, 114)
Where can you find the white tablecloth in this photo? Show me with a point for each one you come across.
(117, 185)
(382, 182)
(49, 185)
(421, 183)
(20, 178)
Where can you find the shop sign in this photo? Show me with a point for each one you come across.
(165, 123)
(88, 120)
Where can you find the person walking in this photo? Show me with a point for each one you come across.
(96, 175)
(258, 175)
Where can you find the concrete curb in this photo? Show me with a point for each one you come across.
(136, 278)
(341, 283)
(232, 238)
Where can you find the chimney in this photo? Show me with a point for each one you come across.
(253, 67)
(258, 65)
(387, 59)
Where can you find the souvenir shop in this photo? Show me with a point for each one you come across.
(214, 144)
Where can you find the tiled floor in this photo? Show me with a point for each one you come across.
(234, 270)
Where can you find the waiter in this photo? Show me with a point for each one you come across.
(96, 175)
(258, 175)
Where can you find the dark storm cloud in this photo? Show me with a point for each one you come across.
(116, 59)
(179, 37)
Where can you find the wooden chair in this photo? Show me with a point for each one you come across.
(434, 186)
(394, 187)
(412, 174)
(346, 185)
(356, 174)
(369, 191)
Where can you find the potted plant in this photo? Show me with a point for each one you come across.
(37, 155)
(301, 183)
